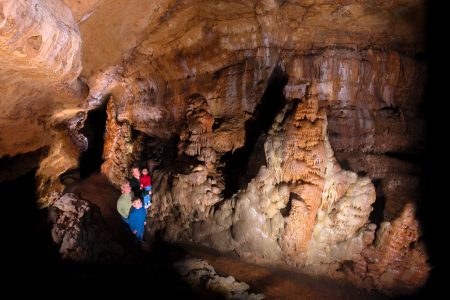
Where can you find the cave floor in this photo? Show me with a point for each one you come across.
(273, 282)
(277, 282)
(98, 190)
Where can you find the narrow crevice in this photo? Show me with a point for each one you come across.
(94, 130)
(377, 214)
(287, 209)
(242, 165)
(408, 157)
(70, 176)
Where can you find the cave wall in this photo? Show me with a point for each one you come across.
(185, 83)
(40, 61)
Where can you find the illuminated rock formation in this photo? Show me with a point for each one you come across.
(79, 230)
(327, 229)
(62, 156)
(397, 261)
(117, 149)
(40, 60)
(200, 274)
(272, 128)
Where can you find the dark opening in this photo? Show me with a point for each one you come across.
(70, 177)
(409, 157)
(21, 164)
(287, 210)
(377, 214)
(390, 110)
(342, 160)
(362, 173)
(242, 165)
(94, 130)
(432, 210)
(27, 234)
(164, 153)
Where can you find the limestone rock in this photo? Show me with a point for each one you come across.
(40, 60)
(117, 148)
(63, 155)
(186, 82)
(326, 227)
(200, 274)
(80, 232)
(397, 260)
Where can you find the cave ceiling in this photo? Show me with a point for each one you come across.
(51, 50)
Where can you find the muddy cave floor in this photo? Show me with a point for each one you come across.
(153, 273)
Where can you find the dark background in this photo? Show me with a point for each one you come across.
(433, 208)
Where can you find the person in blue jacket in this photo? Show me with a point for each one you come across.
(137, 218)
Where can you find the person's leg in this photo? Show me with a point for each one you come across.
(149, 197)
(147, 201)
(140, 234)
(124, 219)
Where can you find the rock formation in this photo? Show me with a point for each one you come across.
(80, 232)
(40, 49)
(200, 274)
(272, 128)
(326, 227)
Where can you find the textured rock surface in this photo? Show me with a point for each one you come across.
(40, 60)
(62, 156)
(117, 149)
(265, 122)
(326, 227)
(397, 259)
(200, 274)
(82, 10)
(80, 232)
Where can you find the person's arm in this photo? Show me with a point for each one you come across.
(132, 220)
(122, 208)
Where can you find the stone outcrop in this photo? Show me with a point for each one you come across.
(397, 260)
(325, 228)
(342, 228)
(80, 232)
(62, 156)
(202, 275)
(117, 149)
(295, 153)
(40, 60)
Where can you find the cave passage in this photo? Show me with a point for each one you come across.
(27, 233)
(94, 130)
(162, 153)
(377, 214)
(243, 165)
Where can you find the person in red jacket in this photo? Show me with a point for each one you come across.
(146, 185)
